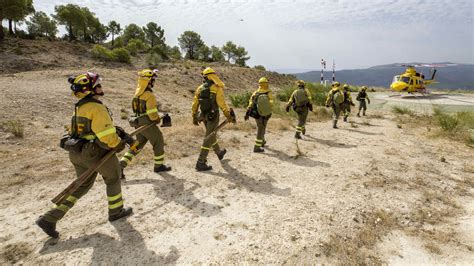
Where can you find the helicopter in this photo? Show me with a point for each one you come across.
(412, 81)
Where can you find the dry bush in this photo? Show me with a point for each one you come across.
(321, 114)
(432, 247)
(376, 116)
(279, 124)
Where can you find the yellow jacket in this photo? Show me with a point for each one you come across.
(261, 89)
(331, 93)
(145, 104)
(220, 100)
(94, 122)
(292, 98)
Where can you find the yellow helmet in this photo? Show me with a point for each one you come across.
(84, 84)
(364, 88)
(345, 86)
(263, 80)
(148, 73)
(335, 84)
(208, 71)
(300, 82)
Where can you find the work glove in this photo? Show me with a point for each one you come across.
(287, 108)
(310, 107)
(232, 117)
(125, 136)
(368, 101)
(120, 147)
(353, 104)
(247, 115)
(195, 120)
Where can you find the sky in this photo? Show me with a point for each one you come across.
(293, 36)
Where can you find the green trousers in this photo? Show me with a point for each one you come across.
(155, 137)
(336, 111)
(110, 172)
(302, 113)
(261, 128)
(346, 109)
(211, 142)
(362, 106)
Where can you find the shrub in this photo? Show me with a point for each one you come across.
(240, 99)
(260, 67)
(318, 93)
(121, 55)
(153, 59)
(135, 45)
(100, 52)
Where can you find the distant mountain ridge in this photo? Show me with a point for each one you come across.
(449, 75)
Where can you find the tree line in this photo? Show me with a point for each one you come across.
(83, 25)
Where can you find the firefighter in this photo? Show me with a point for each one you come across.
(346, 105)
(361, 96)
(92, 135)
(208, 98)
(145, 111)
(334, 99)
(300, 101)
(260, 108)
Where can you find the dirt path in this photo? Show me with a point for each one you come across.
(368, 192)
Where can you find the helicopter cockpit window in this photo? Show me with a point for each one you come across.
(396, 78)
(405, 79)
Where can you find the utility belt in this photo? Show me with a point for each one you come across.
(139, 119)
(75, 144)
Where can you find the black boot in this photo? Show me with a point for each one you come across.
(297, 135)
(334, 124)
(345, 118)
(221, 154)
(200, 166)
(48, 227)
(303, 131)
(358, 114)
(161, 168)
(258, 149)
(123, 213)
(264, 142)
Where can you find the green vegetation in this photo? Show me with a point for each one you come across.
(42, 26)
(117, 54)
(458, 125)
(240, 99)
(260, 67)
(318, 93)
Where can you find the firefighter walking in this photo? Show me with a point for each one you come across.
(145, 111)
(92, 135)
(208, 99)
(260, 108)
(300, 101)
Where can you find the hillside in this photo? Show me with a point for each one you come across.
(385, 188)
(450, 76)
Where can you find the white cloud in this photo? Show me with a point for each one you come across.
(296, 34)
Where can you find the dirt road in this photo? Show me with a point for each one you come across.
(367, 192)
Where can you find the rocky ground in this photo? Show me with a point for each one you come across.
(373, 191)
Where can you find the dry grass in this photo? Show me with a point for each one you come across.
(15, 127)
(357, 249)
(279, 124)
(433, 248)
(376, 116)
(321, 114)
